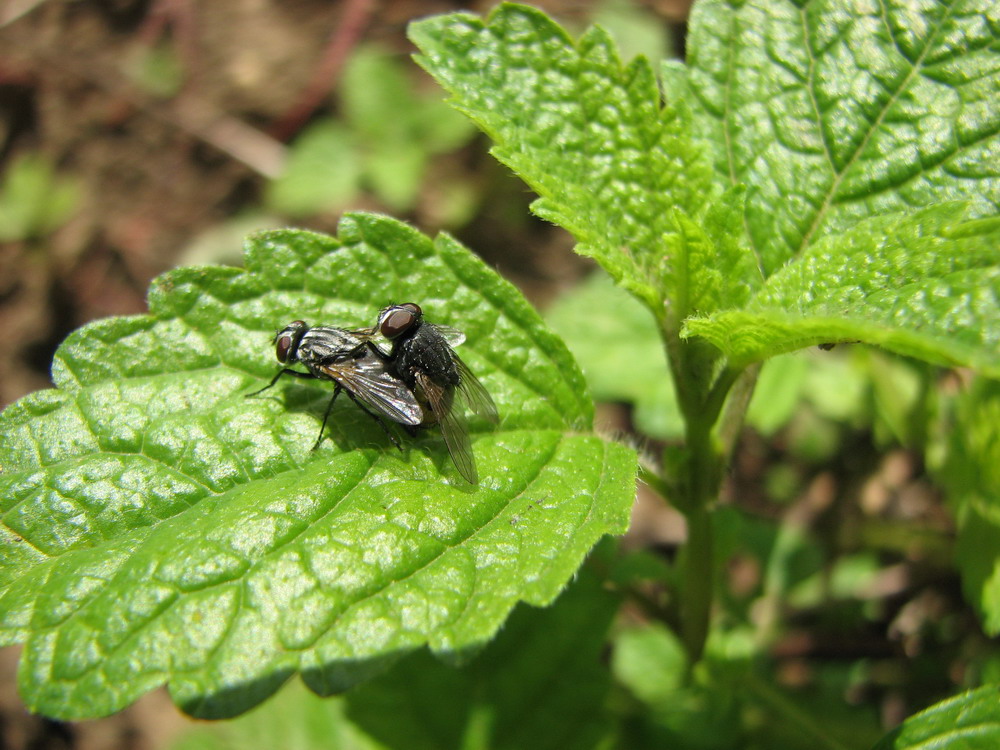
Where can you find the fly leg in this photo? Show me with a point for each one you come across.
(376, 417)
(336, 392)
(365, 409)
(286, 371)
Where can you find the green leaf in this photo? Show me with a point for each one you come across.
(713, 269)
(539, 685)
(779, 389)
(377, 96)
(851, 385)
(382, 104)
(157, 70)
(616, 342)
(972, 476)
(294, 719)
(33, 200)
(396, 129)
(650, 661)
(322, 173)
(159, 527)
(438, 127)
(900, 391)
(831, 112)
(637, 29)
(837, 386)
(965, 722)
(395, 170)
(611, 162)
(925, 285)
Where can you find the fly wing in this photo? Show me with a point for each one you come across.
(367, 379)
(374, 339)
(453, 427)
(326, 343)
(475, 395)
(364, 333)
(453, 336)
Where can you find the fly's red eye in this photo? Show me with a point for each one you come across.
(286, 341)
(414, 308)
(282, 347)
(398, 321)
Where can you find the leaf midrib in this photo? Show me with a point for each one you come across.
(838, 175)
(445, 548)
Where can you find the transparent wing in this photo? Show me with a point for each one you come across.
(473, 392)
(374, 339)
(323, 343)
(366, 378)
(453, 336)
(364, 333)
(453, 426)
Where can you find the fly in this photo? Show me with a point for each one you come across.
(355, 365)
(423, 359)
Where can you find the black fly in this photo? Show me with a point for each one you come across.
(422, 357)
(355, 365)
(421, 381)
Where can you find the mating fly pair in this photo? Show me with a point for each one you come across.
(420, 381)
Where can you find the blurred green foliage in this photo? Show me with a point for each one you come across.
(157, 70)
(382, 142)
(636, 29)
(34, 200)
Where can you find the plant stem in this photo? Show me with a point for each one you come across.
(736, 408)
(698, 483)
(656, 482)
(700, 487)
(697, 574)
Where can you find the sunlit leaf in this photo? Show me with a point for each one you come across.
(159, 527)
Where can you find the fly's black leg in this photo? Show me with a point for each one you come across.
(376, 417)
(286, 371)
(365, 409)
(336, 392)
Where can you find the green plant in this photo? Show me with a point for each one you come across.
(815, 175)
(33, 200)
(383, 141)
(157, 523)
(157, 70)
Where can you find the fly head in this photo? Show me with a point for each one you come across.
(396, 320)
(287, 340)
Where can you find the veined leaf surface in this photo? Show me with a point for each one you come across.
(832, 112)
(159, 527)
(926, 285)
(612, 162)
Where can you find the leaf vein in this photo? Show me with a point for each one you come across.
(838, 175)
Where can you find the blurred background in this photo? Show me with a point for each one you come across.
(138, 135)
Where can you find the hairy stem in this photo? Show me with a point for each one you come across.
(700, 486)
(698, 482)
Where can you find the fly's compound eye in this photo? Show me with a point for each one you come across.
(399, 320)
(282, 347)
(287, 339)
